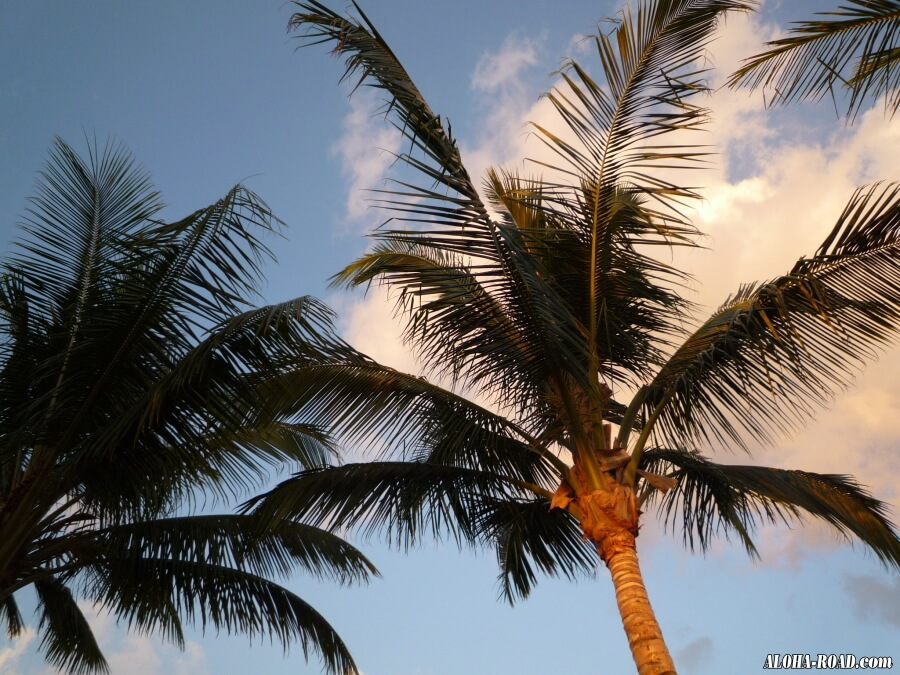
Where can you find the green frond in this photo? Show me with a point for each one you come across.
(11, 616)
(616, 135)
(22, 342)
(121, 295)
(182, 278)
(451, 311)
(369, 60)
(271, 548)
(401, 416)
(402, 501)
(776, 351)
(455, 223)
(530, 537)
(73, 232)
(151, 593)
(854, 48)
(214, 570)
(67, 640)
(215, 417)
(712, 498)
(650, 76)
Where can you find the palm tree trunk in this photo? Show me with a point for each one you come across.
(651, 656)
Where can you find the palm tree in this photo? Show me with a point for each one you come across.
(855, 47)
(546, 302)
(134, 380)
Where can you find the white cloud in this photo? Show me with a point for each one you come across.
(370, 325)
(508, 102)
(134, 654)
(502, 70)
(10, 656)
(366, 150)
(192, 661)
(125, 652)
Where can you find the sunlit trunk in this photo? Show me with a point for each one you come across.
(609, 518)
(651, 656)
(606, 507)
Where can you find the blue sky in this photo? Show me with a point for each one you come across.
(207, 94)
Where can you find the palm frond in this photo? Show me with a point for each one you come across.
(67, 641)
(265, 548)
(132, 375)
(370, 60)
(22, 345)
(622, 301)
(455, 220)
(401, 416)
(215, 416)
(530, 537)
(79, 217)
(776, 351)
(734, 499)
(402, 501)
(196, 271)
(855, 47)
(151, 594)
(11, 616)
(73, 246)
(649, 63)
(121, 294)
(496, 320)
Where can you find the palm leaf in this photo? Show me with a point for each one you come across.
(538, 337)
(531, 537)
(403, 501)
(496, 322)
(12, 617)
(212, 569)
(24, 340)
(649, 64)
(855, 47)
(79, 216)
(266, 548)
(215, 417)
(133, 374)
(404, 416)
(619, 125)
(451, 202)
(775, 351)
(369, 59)
(200, 268)
(734, 499)
(121, 295)
(67, 641)
(151, 594)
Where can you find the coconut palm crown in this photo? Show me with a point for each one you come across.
(135, 379)
(547, 302)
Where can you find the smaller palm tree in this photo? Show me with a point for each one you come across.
(134, 378)
(855, 48)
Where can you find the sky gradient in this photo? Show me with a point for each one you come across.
(207, 94)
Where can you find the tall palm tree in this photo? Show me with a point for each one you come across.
(855, 47)
(135, 378)
(546, 301)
